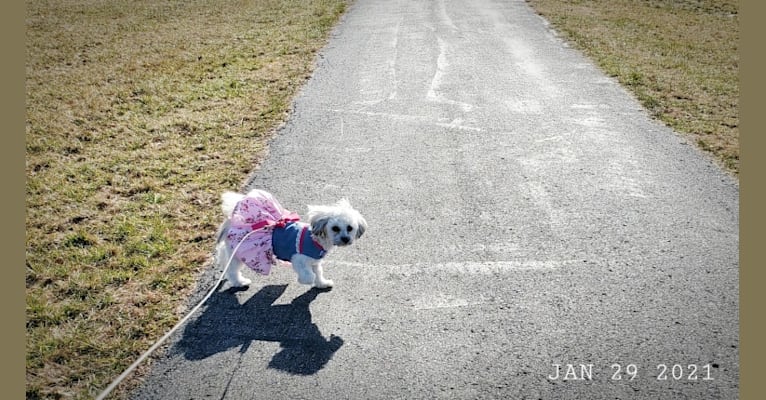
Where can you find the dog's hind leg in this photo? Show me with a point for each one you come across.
(234, 270)
(235, 277)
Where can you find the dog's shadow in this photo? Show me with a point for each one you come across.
(226, 324)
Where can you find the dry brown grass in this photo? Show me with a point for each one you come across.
(139, 113)
(680, 58)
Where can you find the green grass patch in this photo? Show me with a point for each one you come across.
(139, 114)
(679, 57)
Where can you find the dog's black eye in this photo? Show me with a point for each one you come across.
(349, 229)
(335, 229)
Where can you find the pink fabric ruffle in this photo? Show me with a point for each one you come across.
(258, 213)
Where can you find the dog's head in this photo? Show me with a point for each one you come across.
(336, 225)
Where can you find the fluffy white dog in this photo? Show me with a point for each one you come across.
(258, 231)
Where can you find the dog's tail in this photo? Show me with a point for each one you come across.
(229, 200)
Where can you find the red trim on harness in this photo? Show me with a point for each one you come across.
(300, 242)
(303, 235)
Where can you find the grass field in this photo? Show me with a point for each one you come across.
(679, 57)
(139, 113)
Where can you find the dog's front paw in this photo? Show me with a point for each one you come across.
(324, 284)
(306, 278)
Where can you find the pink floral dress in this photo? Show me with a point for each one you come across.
(258, 213)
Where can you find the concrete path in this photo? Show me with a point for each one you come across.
(524, 213)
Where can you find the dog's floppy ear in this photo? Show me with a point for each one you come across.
(362, 226)
(360, 221)
(318, 220)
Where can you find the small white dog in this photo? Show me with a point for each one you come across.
(258, 231)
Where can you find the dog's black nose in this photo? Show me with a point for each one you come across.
(345, 239)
